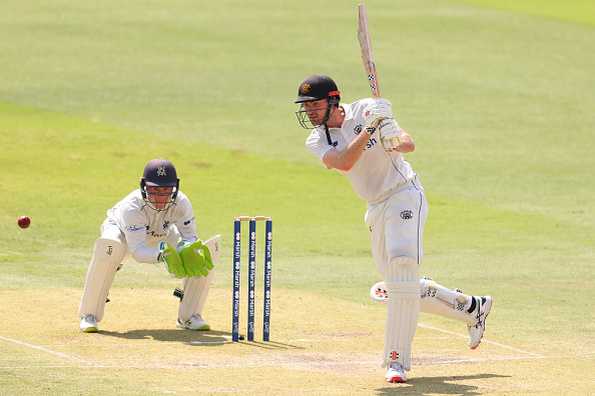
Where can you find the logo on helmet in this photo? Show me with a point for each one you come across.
(161, 171)
(306, 88)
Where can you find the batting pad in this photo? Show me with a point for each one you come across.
(196, 289)
(402, 310)
(107, 256)
(439, 300)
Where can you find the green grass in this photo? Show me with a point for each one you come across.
(581, 11)
(499, 98)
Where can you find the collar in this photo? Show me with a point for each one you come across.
(348, 109)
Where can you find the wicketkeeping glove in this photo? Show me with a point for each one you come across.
(170, 256)
(196, 259)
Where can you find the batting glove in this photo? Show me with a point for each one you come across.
(379, 116)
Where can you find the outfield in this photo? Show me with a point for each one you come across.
(499, 100)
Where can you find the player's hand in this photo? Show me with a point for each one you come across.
(196, 258)
(170, 256)
(380, 109)
(379, 115)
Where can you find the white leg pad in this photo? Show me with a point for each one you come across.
(214, 246)
(107, 256)
(196, 289)
(403, 306)
(439, 300)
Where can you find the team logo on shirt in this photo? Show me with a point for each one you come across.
(406, 214)
(358, 129)
(156, 234)
(165, 224)
(161, 171)
(109, 250)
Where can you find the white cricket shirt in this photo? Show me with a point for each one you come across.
(377, 173)
(144, 227)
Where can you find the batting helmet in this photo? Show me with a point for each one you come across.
(318, 87)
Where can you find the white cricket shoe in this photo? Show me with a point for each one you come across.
(89, 324)
(196, 322)
(476, 330)
(395, 373)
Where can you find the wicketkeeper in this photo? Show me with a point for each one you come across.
(153, 224)
(364, 142)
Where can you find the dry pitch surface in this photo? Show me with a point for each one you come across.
(320, 346)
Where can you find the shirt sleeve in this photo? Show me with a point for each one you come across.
(185, 220)
(135, 231)
(316, 146)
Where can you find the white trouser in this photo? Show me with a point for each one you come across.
(396, 225)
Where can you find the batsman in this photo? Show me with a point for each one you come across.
(154, 224)
(364, 142)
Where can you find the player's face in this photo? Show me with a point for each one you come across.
(159, 197)
(315, 110)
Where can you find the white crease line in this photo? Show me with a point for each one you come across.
(210, 342)
(479, 360)
(452, 333)
(44, 349)
(535, 355)
(38, 367)
(285, 364)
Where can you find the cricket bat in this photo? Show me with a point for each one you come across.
(365, 44)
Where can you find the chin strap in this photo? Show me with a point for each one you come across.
(324, 122)
(328, 137)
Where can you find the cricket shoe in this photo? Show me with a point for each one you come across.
(476, 331)
(395, 373)
(89, 324)
(196, 322)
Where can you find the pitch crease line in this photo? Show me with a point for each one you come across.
(44, 349)
(536, 355)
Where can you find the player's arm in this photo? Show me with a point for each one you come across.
(345, 159)
(135, 231)
(185, 221)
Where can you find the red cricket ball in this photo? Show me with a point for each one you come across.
(24, 221)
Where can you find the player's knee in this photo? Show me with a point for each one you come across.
(402, 269)
(402, 250)
(108, 252)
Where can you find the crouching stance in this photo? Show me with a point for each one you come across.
(154, 224)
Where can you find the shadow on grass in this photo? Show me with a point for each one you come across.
(434, 385)
(196, 338)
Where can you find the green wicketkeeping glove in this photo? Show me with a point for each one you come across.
(170, 256)
(196, 259)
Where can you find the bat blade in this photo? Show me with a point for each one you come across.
(363, 36)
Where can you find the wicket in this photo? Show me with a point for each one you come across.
(237, 253)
